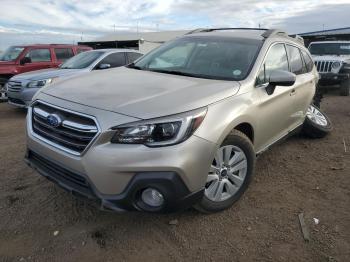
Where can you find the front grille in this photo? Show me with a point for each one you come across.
(14, 86)
(72, 132)
(65, 178)
(324, 66)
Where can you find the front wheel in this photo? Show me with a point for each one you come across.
(316, 124)
(230, 173)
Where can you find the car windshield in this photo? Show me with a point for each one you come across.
(81, 60)
(330, 49)
(204, 57)
(11, 53)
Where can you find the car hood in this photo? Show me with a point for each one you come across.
(340, 58)
(7, 63)
(141, 94)
(7, 68)
(45, 74)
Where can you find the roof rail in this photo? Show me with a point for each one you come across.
(272, 32)
(299, 39)
(204, 30)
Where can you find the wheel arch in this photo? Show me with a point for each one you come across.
(247, 129)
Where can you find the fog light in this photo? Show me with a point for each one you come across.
(152, 197)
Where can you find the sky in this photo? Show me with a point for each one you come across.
(70, 21)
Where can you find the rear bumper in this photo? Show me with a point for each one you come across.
(176, 194)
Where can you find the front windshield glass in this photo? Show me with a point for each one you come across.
(330, 49)
(11, 53)
(81, 60)
(204, 57)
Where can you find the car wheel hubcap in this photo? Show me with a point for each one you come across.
(316, 116)
(227, 173)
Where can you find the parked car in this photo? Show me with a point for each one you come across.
(20, 59)
(181, 126)
(21, 88)
(332, 60)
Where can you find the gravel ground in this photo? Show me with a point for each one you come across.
(41, 222)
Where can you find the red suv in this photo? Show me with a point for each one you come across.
(20, 59)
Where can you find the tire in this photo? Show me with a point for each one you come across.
(241, 147)
(345, 88)
(315, 127)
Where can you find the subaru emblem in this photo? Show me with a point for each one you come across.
(53, 120)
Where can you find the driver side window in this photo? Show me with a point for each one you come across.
(276, 59)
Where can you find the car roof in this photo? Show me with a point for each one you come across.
(258, 34)
(115, 50)
(232, 33)
(52, 45)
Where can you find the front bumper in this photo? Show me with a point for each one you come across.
(332, 78)
(176, 194)
(110, 168)
(22, 98)
(3, 93)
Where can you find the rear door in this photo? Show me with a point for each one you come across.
(304, 86)
(41, 58)
(275, 110)
(63, 54)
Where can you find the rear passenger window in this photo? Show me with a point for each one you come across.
(133, 56)
(276, 59)
(63, 54)
(296, 63)
(115, 60)
(39, 55)
(308, 61)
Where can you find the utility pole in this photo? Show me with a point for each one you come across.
(113, 28)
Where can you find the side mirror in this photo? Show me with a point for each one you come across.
(104, 66)
(280, 78)
(25, 60)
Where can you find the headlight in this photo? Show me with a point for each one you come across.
(40, 83)
(336, 65)
(163, 131)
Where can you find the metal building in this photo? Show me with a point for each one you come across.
(326, 35)
(143, 41)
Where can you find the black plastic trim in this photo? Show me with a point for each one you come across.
(176, 194)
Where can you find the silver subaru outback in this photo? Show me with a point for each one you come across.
(181, 126)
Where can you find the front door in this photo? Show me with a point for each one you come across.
(275, 110)
(40, 59)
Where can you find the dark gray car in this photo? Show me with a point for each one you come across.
(21, 88)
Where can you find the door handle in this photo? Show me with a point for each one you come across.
(292, 93)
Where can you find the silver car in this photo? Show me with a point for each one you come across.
(181, 126)
(21, 88)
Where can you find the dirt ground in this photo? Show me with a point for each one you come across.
(41, 222)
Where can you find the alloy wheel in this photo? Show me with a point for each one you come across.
(316, 116)
(227, 173)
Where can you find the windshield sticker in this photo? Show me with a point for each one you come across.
(237, 72)
(345, 47)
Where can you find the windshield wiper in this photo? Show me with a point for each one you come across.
(180, 73)
(132, 65)
(173, 72)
